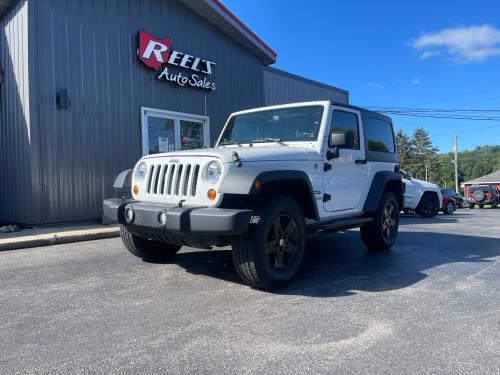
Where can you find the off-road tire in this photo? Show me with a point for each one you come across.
(428, 205)
(252, 262)
(372, 233)
(449, 208)
(145, 249)
(472, 205)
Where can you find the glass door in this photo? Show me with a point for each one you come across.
(166, 131)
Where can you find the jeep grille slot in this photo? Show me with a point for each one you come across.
(173, 179)
(194, 179)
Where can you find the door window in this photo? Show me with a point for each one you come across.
(166, 131)
(346, 123)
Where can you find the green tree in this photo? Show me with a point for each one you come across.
(423, 154)
(404, 149)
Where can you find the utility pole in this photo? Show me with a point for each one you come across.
(426, 172)
(456, 163)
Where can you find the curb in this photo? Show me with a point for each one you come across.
(48, 239)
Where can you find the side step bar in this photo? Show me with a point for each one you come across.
(338, 225)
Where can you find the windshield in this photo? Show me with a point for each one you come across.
(448, 192)
(286, 124)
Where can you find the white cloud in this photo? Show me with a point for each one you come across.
(416, 81)
(466, 44)
(374, 85)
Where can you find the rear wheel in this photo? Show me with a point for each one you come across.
(471, 206)
(494, 204)
(481, 206)
(270, 253)
(148, 250)
(381, 233)
(449, 208)
(428, 205)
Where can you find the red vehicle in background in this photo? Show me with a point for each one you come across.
(449, 205)
(483, 195)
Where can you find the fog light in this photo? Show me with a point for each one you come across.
(162, 218)
(211, 194)
(129, 214)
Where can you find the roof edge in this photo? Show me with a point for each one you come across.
(216, 13)
(304, 79)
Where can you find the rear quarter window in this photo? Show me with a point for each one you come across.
(379, 135)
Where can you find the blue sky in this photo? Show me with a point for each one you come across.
(425, 54)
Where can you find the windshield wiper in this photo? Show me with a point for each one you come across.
(275, 140)
(231, 142)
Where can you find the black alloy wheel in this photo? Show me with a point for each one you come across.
(282, 243)
(389, 222)
(381, 232)
(269, 254)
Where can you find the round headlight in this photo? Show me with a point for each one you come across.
(141, 171)
(214, 170)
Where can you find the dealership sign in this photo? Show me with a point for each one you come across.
(158, 55)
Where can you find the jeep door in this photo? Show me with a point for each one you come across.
(345, 181)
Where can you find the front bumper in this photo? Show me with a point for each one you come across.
(197, 221)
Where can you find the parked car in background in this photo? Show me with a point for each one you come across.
(459, 200)
(449, 205)
(483, 195)
(421, 197)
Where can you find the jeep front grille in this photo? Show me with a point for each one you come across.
(174, 179)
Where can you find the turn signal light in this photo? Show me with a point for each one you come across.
(257, 184)
(211, 194)
(135, 190)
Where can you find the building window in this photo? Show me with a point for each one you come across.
(165, 131)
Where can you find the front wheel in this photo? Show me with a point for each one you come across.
(449, 208)
(428, 205)
(481, 206)
(471, 206)
(494, 204)
(270, 253)
(145, 249)
(381, 233)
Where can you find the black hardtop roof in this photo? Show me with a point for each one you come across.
(365, 111)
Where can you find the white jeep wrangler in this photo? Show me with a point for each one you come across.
(421, 197)
(276, 176)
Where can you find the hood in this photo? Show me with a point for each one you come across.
(426, 184)
(246, 154)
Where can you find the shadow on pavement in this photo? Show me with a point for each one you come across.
(440, 219)
(339, 265)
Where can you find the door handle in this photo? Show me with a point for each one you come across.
(360, 161)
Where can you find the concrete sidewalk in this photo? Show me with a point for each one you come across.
(56, 235)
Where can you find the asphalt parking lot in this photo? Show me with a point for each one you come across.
(430, 305)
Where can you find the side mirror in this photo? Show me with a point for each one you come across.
(335, 141)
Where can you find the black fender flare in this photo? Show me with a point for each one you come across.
(380, 182)
(123, 182)
(292, 175)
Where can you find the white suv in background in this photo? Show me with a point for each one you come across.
(420, 196)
